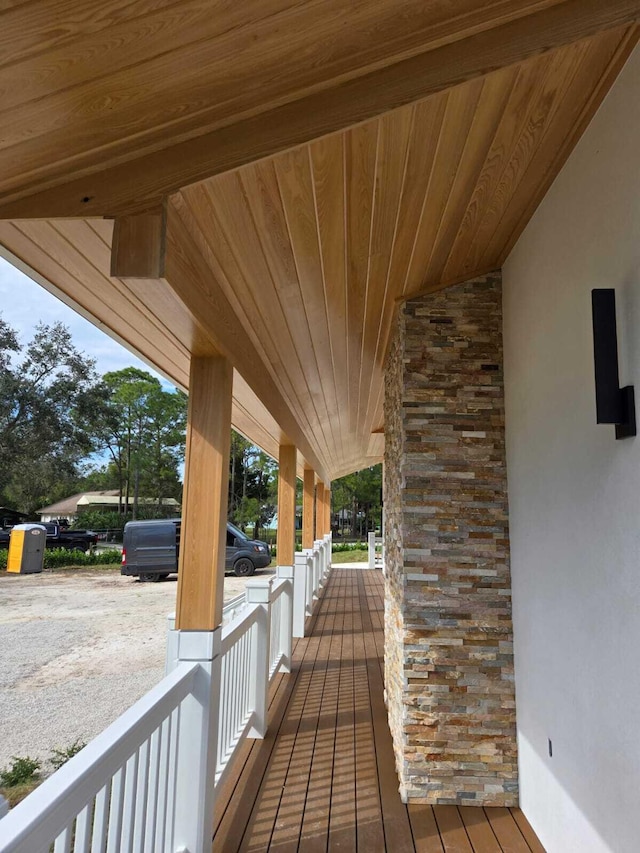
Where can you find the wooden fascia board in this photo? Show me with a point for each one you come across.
(193, 281)
(142, 182)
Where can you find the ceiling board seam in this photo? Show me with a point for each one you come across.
(197, 260)
(426, 195)
(453, 182)
(621, 54)
(470, 195)
(326, 305)
(220, 272)
(150, 143)
(91, 224)
(143, 15)
(330, 421)
(559, 99)
(237, 308)
(395, 234)
(235, 301)
(284, 313)
(285, 319)
(507, 161)
(345, 218)
(366, 292)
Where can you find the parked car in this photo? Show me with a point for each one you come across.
(151, 550)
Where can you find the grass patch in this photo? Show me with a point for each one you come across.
(352, 556)
(16, 793)
(19, 779)
(75, 569)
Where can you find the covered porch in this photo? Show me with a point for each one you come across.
(303, 214)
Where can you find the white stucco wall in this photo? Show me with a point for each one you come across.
(575, 495)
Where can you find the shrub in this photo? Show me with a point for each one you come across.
(61, 756)
(340, 547)
(59, 557)
(21, 771)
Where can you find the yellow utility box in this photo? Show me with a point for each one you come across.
(26, 549)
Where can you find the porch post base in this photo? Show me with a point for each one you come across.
(197, 742)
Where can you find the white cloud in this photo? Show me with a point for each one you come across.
(23, 304)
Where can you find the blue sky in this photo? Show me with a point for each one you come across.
(23, 303)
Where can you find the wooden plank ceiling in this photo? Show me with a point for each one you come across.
(311, 248)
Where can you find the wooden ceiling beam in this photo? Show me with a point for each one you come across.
(190, 277)
(142, 182)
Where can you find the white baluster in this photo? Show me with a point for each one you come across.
(63, 842)
(83, 830)
(99, 832)
(115, 811)
(141, 798)
(154, 785)
(162, 815)
(130, 793)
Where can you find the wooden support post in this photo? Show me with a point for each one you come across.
(139, 245)
(307, 508)
(286, 540)
(320, 511)
(204, 505)
(327, 510)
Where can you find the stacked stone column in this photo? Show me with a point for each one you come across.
(449, 645)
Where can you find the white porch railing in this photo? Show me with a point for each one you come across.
(311, 570)
(375, 551)
(243, 644)
(116, 794)
(147, 783)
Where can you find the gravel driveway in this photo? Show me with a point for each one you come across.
(76, 650)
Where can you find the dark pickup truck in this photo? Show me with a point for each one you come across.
(72, 540)
(60, 537)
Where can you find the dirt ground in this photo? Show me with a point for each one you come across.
(76, 650)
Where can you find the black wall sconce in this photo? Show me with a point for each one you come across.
(614, 405)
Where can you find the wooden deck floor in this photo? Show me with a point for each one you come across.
(323, 779)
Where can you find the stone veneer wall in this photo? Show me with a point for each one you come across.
(449, 647)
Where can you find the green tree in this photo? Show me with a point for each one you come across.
(143, 430)
(48, 395)
(252, 485)
(357, 497)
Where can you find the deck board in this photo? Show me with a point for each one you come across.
(323, 778)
